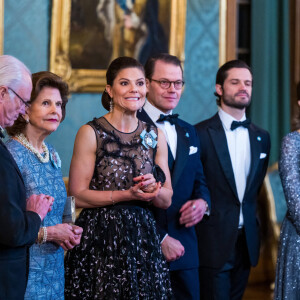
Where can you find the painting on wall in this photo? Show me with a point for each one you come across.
(87, 35)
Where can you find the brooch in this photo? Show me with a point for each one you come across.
(55, 159)
(148, 139)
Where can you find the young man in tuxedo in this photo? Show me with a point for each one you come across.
(190, 195)
(234, 154)
(20, 219)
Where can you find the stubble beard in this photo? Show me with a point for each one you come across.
(230, 101)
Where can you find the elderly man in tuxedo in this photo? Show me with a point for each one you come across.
(234, 154)
(20, 219)
(191, 200)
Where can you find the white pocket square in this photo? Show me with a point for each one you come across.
(262, 155)
(193, 150)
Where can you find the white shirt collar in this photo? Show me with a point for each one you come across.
(152, 111)
(227, 119)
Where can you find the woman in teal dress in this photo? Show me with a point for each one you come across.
(40, 167)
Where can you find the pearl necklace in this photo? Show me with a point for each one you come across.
(24, 141)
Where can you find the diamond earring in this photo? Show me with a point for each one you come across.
(111, 105)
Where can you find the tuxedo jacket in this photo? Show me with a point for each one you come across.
(188, 183)
(217, 234)
(18, 229)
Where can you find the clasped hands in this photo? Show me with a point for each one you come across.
(146, 187)
(65, 235)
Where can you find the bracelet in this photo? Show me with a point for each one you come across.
(39, 238)
(45, 235)
(111, 198)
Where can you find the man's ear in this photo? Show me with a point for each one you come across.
(147, 85)
(3, 91)
(219, 89)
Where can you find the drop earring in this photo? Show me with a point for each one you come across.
(26, 118)
(141, 108)
(111, 105)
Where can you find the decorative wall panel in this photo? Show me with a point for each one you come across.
(26, 32)
(201, 60)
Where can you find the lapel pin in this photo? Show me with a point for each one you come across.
(187, 134)
(259, 138)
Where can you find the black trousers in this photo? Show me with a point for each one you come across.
(228, 283)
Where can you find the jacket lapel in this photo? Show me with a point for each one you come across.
(144, 117)
(176, 166)
(218, 137)
(182, 153)
(255, 146)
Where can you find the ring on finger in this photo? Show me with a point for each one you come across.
(194, 206)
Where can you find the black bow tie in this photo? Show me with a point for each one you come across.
(169, 118)
(236, 124)
(1, 134)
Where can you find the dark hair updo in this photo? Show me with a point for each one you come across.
(113, 70)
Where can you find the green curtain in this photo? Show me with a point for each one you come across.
(270, 60)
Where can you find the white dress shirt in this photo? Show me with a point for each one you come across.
(168, 129)
(240, 154)
(1, 132)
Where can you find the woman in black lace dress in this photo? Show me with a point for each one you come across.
(119, 256)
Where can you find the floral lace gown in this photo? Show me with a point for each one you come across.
(119, 256)
(46, 264)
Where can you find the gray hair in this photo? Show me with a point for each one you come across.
(12, 71)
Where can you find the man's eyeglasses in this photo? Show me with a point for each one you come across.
(165, 84)
(25, 102)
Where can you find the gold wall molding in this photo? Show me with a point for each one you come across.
(227, 30)
(222, 31)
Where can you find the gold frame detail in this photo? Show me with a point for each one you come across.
(227, 30)
(1, 26)
(92, 80)
(222, 31)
